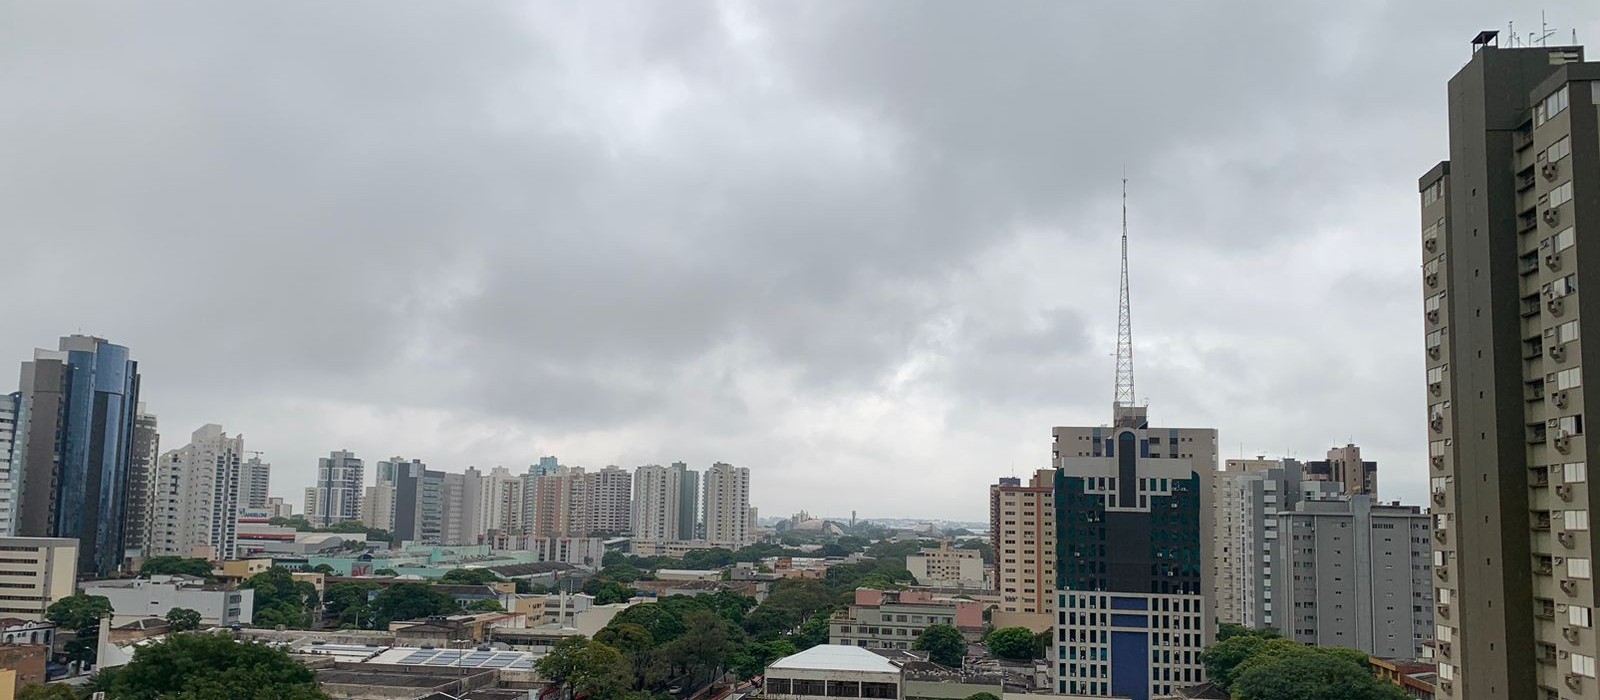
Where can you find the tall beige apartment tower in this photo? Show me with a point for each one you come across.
(1022, 530)
(1506, 357)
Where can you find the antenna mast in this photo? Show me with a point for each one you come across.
(1125, 394)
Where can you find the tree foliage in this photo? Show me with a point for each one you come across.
(1306, 673)
(281, 600)
(637, 647)
(385, 572)
(52, 691)
(79, 612)
(199, 666)
(707, 640)
(944, 644)
(750, 659)
(486, 605)
(1014, 643)
(1223, 658)
(410, 601)
(171, 566)
(608, 592)
(475, 577)
(587, 667)
(349, 603)
(183, 619)
(982, 696)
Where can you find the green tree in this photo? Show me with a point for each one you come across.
(636, 646)
(324, 569)
(168, 566)
(81, 614)
(751, 659)
(281, 600)
(812, 632)
(607, 592)
(529, 587)
(52, 691)
(1223, 658)
(470, 576)
(385, 572)
(707, 639)
(1310, 674)
(944, 644)
(1014, 643)
(349, 603)
(200, 666)
(486, 605)
(587, 667)
(183, 619)
(1228, 630)
(982, 696)
(409, 601)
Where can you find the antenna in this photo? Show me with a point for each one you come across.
(1125, 393)
(1544, 30)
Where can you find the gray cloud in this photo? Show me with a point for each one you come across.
(863, 244)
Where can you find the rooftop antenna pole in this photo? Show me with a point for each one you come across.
(1125, 393)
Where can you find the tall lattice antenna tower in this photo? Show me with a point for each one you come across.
(1125, 395)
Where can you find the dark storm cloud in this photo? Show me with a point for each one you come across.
(829, 241)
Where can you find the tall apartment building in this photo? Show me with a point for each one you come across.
(255, 481)
(418, 502)
(195, 497)
(38, 571)
(1505, 352)
(560, 503)
(8, 478)
(688, 502)
(461, 520)
(1355, 574)
(341, 478)
(610, 502)
(138, 514)
(502, 503)
(1022, 530)
(946, 566)
(74, 437)
(657, 503)
(1249, 494)
(531, 513)
(728, 516)
(1345, 467)
(1134, 566)
(311, 504)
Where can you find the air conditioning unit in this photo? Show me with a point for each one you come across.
(1566, 539)
(1444, 649)
(1569, 586)
(1444, 610)
(1438, 461)
(1435, 388)
(1437, 424)
(1431, 244)
(1564, 654)
(1564, 491)
(1574, 681)
(1554, 305)
(1553, 261)
(1446, 686)
(1439, 535)
(1433, 352)
(1551, 217)
(1442, 571)
(1559, 398)
(1559, 561)
(1433, 316)
(1432, 279)
(1561, 607)
(1562, 443)
(1550, 171)
(1558, 353)
(1438, 497)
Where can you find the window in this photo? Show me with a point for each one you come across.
(1563, 239)
(1560, 149)
(1566, 332)
(809, 687)
(1573, 425)
(1432, 193)
(1436, 374)
(778, 686)
(1578, 616)
(1436, 448)
(1577, 567)
(1575, 472)
(1583, 665)
(1435, 339)
(1440, 483)
(1569, 378)
(1433, 302)
(1576, 520)
(1445, 595)
(1442, 633)
(1561, 194)
(1562, 287)
(1447, 672)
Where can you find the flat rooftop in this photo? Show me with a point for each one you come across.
(835, 657)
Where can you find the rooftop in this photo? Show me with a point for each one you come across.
(835, 657)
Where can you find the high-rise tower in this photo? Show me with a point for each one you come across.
(1133, 536)
(1504, 263)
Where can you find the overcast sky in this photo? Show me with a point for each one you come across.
(866, 249)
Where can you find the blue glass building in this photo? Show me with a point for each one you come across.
(75, 425)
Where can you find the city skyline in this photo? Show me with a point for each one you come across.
(905, 286)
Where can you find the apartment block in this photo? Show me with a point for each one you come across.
(657, 503)
(1249, 494)
(9, 480)
(729, 520)
(1506, 353)
(341, 481)
(689, 525)
(139, 598)
(1345, 467)
(947, 567)
(610, 502)
(255, 481)
(894, 619)
(194, 497)
(1354, 573)
(142, 456)
(38, 571)
(1022, 530)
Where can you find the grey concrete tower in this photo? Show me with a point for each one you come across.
(1505, 357)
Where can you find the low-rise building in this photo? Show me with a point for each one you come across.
(133, 599)
(447, 629)
(18, 631)
(947, 567)
(28, 663)
(239, 570)
(894, 619)
(834, 671)
(688, 575)
(37, 571)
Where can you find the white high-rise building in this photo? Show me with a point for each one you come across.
(610, 501)
(727, 503)
(657, 504)
(502, 502)
(194, 497)
(340, 481)
(377, 506)
(462, 503)
(8, 480)
(255, 478)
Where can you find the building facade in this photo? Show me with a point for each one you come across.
(341, 480)
(1249, 493)
(829, 671)
(146, 449)
(689, 525)
(1133, 552)
(947, 567)
(1022, 530)
(1505, 353)
(38, 571)
(728, 519)
(255, 483)
(1345, 467)
(610, 501)
(894, 619)
(1355, 574)
(195, 497)
(657, 503)
(139, 598)
(8, 477)
(418, 503)
(75, 423)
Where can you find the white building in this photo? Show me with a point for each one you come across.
(947, 567)
(377, 507)
(195, 497)
(37, 571)
(610, 501)
(462, 507)
(255, 478)
(834, 671)
(727, 498)
(138, 598)
(8, 481)
(340, 481)
(502, 503)
(657, 499)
